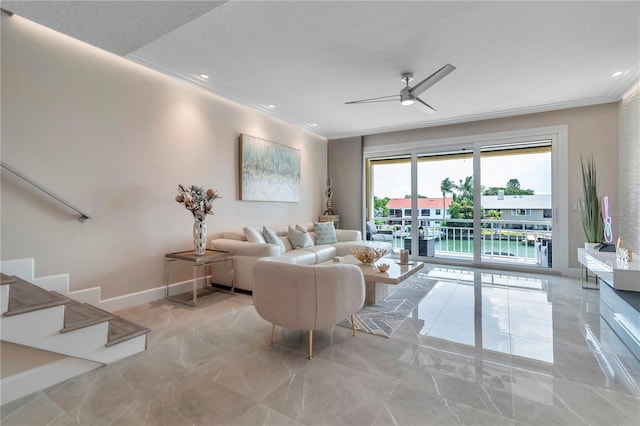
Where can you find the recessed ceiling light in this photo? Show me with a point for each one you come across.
(270, 106)
(314, 124)
(205, 76)
(616, 74)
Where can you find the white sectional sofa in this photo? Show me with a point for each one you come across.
(245, 253)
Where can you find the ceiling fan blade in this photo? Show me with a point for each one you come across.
(378, 99)
(431, 80)
(420, 102)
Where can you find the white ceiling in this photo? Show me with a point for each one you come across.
(309, 57)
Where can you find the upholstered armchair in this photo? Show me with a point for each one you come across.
(374, 235)
(306, 297)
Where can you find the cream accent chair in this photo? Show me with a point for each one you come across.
(306, 297)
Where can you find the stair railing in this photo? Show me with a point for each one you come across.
(83, 216)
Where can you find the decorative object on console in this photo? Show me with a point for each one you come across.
(592, 222)
(368, 255)
(623, 255)
(329, 194)
(268, 171)
(200, 204)
(608, 232)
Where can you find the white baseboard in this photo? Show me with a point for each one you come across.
(24, 268)
(92, 296)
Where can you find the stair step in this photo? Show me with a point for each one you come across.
(6, 279)
(27, 297)
(121, 329)
(78, 315)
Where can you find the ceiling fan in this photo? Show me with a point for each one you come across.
(409, 95)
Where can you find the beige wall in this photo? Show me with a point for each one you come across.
(592, 129)
(345, 168)
(116, 139)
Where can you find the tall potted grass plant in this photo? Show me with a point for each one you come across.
(592, 222)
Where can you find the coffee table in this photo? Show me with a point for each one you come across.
(376, 282)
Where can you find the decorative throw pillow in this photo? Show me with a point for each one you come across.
(253, 235)
(299, 237)
(272, 238)
(325, 233)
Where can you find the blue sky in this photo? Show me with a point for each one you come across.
(532, 170)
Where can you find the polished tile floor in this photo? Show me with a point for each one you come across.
(482, 348)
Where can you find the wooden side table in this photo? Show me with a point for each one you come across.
(209, 258)
(335, 218)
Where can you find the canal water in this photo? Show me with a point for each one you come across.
(497, 247)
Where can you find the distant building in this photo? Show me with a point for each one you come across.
(519, 207)
(527, 208)
(429, 211)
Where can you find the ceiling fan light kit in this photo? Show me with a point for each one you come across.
(409, 95)
(405, 97)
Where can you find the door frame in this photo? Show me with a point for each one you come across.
(559, 178)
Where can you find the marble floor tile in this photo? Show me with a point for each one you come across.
(482, 347)
(330, 394)
(260, 415)
(257, 374)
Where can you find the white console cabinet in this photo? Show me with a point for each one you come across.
(605, 265)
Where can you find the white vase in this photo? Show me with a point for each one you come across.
(199, 236)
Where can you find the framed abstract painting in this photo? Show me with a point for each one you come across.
(268, 171)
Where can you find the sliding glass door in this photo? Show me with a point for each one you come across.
(445, 202)
(483, 202)
(516, 202)
(389, 203)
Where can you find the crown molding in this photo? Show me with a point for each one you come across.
(614, 95)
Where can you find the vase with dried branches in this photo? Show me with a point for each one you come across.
(200, 204)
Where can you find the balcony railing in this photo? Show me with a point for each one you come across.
(512, 241)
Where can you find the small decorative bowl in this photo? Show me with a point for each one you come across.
(368, 255)
(383, 267)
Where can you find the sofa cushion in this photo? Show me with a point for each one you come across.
(299, 237)
(253, 235)
(301, 256)
(325, 233)
(324, 252)
(272, 238)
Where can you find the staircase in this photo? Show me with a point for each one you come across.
(48, 337)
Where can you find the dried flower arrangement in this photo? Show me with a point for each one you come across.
(196, 200)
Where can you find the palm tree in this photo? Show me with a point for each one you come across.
(465, 188)
(445, 186)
